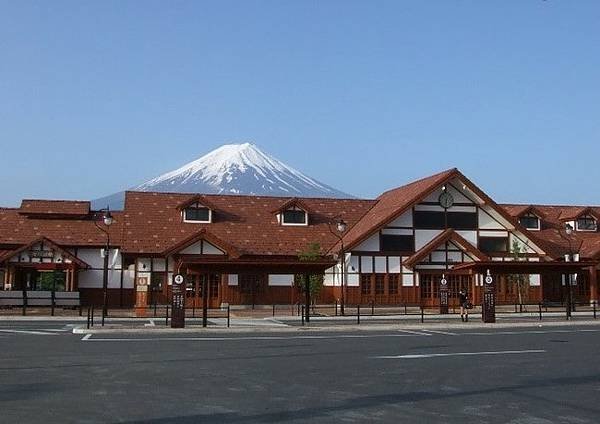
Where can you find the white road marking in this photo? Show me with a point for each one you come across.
(243, 338)
(37, 333)
(436, 355)
(445, 333)
(415, 333)
(150, 323)
(86, 337)
(502, 333)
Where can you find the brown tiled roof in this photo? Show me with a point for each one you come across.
(586, 243)
(54, 207)
(153, 224)
(392, 204)
(18, 229)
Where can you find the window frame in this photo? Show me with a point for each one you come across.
(530, 216)
(506, 239)
(587, 218)
(196, 206)
(293, 224)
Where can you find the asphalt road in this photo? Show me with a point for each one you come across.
(542, 375)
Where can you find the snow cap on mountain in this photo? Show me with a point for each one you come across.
(234, 169)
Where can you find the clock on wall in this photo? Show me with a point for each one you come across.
(446, 200)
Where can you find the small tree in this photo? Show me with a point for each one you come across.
(312, 253)
(520, 281)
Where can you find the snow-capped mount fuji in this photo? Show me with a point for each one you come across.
(232, 169)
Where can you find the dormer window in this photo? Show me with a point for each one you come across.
(294, 216)
(586, 223)
(197, 213)
(530, 221)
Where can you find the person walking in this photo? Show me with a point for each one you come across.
(463, 300)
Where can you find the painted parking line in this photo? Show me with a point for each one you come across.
(437, 355)
(505, 333)
(31, 332)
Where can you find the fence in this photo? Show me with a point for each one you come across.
(420, 312)
(24, 299)
(158, 312)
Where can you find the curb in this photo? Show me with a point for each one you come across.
(331, 328)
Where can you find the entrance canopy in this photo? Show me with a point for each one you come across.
(522, 267)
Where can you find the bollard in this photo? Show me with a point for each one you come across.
(52, 302)
(540, 309)
(422, 314)
(155, 309)
(92, 320)
(167, 316)
(299, 309)
(405, 309)
(515, 307)
(302, 313)
(193, 310)
(273, 309)
(372, 307)
(336, 305)
(228, 315)
(80, 312)
(358, 314)
(595, 303)
(24, 302)
(88, 317)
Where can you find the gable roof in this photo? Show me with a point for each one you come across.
(571, 214)
(203, 234)
(447, 235)
(392, 204)
(199, 198)
(48, 242)
(518, 211)
(294, 201)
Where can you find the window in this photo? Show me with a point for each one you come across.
(437, 220)
(294, 217)
(493, 244)
(393, 280)
(379, 283)
(530, 221)
(156, 281)
(462, 220)
(197, 213)
(249, 283)
(397, 243)
(429, 220)
(365, 283)
(586, 223)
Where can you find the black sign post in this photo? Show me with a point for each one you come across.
(443, 295)
(489, 299)
(178, 302)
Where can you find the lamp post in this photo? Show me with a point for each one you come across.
(570, 257)
(107, 219)
(340, 227)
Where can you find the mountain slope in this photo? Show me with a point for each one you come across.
(232, 169)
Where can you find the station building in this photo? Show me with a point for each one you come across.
(246, 250)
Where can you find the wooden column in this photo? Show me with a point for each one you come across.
(593, 275)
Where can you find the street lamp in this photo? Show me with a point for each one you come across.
(107, 220)
(571, 258)
(341, 228)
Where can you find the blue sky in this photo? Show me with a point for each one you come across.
(98, 96)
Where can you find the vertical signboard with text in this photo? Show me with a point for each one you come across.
(443, 295)
(489, 299)
(178, 302)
